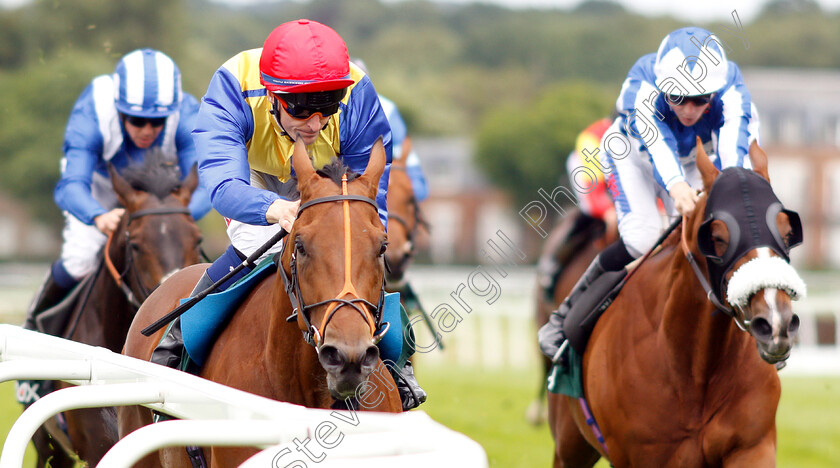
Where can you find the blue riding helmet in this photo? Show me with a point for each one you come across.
(691, 62)
(147, 83)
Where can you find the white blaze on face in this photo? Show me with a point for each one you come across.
(767, 272)
(163, 227)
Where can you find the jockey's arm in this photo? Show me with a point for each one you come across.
(363, 122)
(200, 199)
(733, 134)
(222, 127)
(72, 192)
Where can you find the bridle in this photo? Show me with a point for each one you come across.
(369, 311)
(738, 314)
(122, 279)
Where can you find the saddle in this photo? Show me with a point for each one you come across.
(578, 326)
(207, 318)
(586, 311)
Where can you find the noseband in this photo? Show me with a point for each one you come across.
(120, 278)
(312, 334)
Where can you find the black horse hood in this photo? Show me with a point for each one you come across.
(745, 202)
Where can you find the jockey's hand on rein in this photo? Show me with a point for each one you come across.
(684, 197)
(283, 212)
(107, 222)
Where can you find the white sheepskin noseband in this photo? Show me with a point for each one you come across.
(761, 273)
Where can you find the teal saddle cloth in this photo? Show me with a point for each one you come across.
(201, 324)
(568, 381)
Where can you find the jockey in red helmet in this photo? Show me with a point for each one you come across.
(258, 102)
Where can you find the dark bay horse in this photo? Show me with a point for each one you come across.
(670, 380)
(584, 237)
(155, 237)
(334, 256)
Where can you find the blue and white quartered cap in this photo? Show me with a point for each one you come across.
(147, 83)
(691, 62)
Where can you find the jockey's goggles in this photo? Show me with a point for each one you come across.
(679, 100)
(304, 105)
(141, 122)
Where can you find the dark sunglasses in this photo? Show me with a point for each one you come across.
(141, 122)
(679, 100)
(304, 105)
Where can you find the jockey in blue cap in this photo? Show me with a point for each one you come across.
(115, 120)
(687, 89)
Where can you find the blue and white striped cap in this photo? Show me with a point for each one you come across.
(691, 62)
(147, 83)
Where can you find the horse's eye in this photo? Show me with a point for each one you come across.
(301, 250)
(135, 246)
(788, 237)
(383, 248)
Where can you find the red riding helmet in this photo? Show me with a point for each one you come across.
(304, 56)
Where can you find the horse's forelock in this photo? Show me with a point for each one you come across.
(335, 170)
(158, 174)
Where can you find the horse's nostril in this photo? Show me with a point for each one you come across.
(370, 359)
(331, 357)
(761, 328)
(793, 328)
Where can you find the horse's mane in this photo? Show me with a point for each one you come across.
(335, 170)
(158, 174)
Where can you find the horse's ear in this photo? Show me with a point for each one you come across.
(125, 192)
(406, 150)
(758, 158)
(188, 185)
(707, 169)
(300, 161)
(376, 165)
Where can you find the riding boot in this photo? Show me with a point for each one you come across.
(51, 292)
(54, 289)
(551, 335)
(411, 394)
(170, 350)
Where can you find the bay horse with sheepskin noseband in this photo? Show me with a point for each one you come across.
(332, 260)
(155, 238)
(671, 378)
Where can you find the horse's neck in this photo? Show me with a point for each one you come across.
(114, 313)
(698, 337)
(105, 314)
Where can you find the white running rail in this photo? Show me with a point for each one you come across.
(213, 414)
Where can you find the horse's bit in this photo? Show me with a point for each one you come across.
(120, 278)
(312, 334)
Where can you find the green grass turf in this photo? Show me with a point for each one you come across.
(489, 407)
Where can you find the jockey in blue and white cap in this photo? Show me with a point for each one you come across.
(115, 120)
(687, 89)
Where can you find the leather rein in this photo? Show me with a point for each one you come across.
(312, 334)
(121, 278)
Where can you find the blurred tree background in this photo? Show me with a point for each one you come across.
(521, 83)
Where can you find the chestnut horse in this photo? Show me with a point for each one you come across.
(155, 237)
(670, 380)
(332, 261)
(404, 221)
(591, 236)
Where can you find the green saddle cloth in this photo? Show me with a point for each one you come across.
(568, 381)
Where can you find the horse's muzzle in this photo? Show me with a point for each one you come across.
(346, 375)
